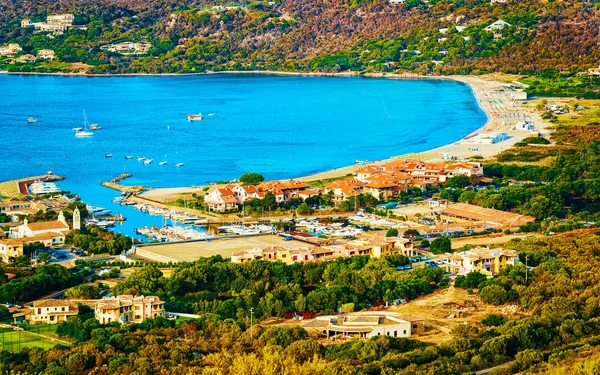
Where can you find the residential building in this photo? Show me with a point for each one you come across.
(344, 189)
(58, 19)
(51, 311)
(10, 249)
(244, 193)
(11, 49)
(221, 199)
(46, 54)
(497, 25)
(127, 48)
(363, 325)
(519, 95)
(594, 71)
(484, 216)
(481, 259)
(27, 58)
(396, 2)
(128, 309)
(286, 190)
(26, 22)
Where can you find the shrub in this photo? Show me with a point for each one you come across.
(493, 294)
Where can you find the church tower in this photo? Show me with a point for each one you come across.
(76, 219)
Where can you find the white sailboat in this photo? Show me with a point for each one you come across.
(84, 133)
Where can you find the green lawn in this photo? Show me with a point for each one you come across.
(14, 341)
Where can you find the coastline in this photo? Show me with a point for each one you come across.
(482, 87)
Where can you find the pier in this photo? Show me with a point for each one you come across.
(114, 184)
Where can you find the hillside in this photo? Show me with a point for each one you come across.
(447, 37)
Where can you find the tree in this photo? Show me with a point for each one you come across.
(411, 233)
(251, 178)
(304, 209)
(493, 294)
(542, 207)
(393, 232)
(44, 257)
(441, 245)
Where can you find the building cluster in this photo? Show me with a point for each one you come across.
(480, 259)
(56, 24)
(485, 217)
(386, 181)
(383, 181)
(50, 233)
(124, 309)
(127, 48)
(376, 246)
(230, 197)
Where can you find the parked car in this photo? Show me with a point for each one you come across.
(431, 264)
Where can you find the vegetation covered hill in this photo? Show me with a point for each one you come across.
(445, 36)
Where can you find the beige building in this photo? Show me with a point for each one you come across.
(363, 325)
(10, 249)
(127, 48)
(46, 54)
(54, 230)
(51, 311)
(11, 49)
(128, 309)
(481, 259)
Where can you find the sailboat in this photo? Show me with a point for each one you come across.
(85, 131)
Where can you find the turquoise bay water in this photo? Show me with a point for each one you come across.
(279, 126)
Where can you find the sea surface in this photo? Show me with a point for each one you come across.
(279, 126)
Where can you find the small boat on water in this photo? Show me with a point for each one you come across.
(179, 165)
(140, 159)
(148, 161)
(108, 156)
(194, 117)
(95, 127)
(128, 157)
(32, 120)
(84, 133)
(77, 129)
(162, 163)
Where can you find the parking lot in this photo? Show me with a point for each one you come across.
(64, 256)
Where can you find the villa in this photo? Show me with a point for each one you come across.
(481, 259)
(51, 311)
(45, 54)
(363, 325)
(128, 309)
(11, 49)
(56, 24)
(127, 48)
(221, 199)
(498, 25)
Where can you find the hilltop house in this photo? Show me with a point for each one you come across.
(11, 49)
(56, 23)
(127, 48)
(498, 25)
(364, 325)
(45, 54)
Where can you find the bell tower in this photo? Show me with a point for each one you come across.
(76, 219)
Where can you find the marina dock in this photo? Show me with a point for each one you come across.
(114, 184)
(18, 188)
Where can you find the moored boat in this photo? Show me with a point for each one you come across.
(95, 127)
(84, 132)
(148, 161)
(32, 120)
(179, 165)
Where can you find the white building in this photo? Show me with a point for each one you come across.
(59, 226)
(362, 325)
(127, 48)
(524, 126)
(498, 25)
(67, 19)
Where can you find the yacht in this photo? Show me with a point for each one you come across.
(128, 157)
(194, 117)
(140, 159)
(95, 127)
(41, 188)
(108, 156)
(148, 161)
(31, 120)
(84, 133)
(179, 165)
(77, 129)
(162, 163)
(98, 211)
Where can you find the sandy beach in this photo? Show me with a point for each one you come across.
(501, 117)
